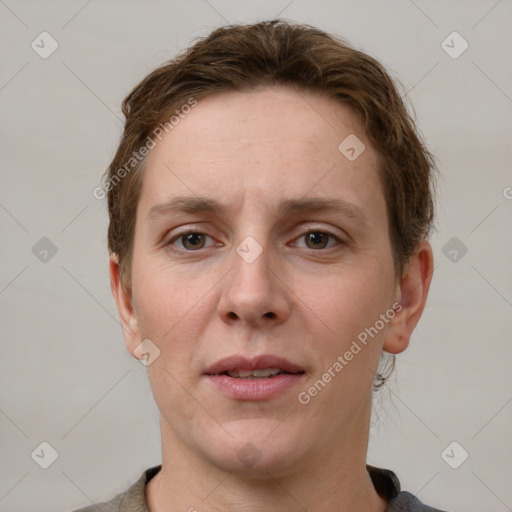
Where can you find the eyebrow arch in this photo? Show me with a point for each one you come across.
(187, 205)
(310, 205)
(290, 206)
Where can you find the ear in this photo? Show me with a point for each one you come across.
(413, 290)
(123, 299)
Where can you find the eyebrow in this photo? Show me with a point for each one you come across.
(199, 204)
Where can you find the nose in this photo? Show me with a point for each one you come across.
(254, 294)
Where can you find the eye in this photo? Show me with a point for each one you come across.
(319, 240)
(194, 240)
(189, 241)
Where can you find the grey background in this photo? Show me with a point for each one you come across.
(66, 377)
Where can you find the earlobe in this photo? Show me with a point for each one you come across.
(123, 300)
(414, 286)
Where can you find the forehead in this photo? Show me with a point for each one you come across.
(267, 142)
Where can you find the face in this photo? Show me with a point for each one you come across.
(260, 246)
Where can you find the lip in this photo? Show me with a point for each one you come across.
(239, 362)
(253, 389)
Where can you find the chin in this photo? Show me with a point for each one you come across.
(256, 448)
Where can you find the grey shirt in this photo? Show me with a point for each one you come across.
(385, 482)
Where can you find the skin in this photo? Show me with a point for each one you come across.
(250, 151)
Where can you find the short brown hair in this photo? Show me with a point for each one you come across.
(276, 52)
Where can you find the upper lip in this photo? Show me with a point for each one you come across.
(240, 362)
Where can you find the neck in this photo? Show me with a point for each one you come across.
(336, 480)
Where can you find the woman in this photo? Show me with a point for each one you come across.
(269, 206)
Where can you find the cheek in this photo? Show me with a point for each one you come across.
(170, 311)
(163, 302)
(346, 309)
(349, 300)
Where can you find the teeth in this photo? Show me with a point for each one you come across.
(254, 374)
(266, 373)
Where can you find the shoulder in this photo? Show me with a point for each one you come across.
(131, 500)
(386, 483)
(406, 502)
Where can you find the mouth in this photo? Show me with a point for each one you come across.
(241, 367)
(260, 378)
(254, 374)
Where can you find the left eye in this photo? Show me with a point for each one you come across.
(318, 239)
(191, 241)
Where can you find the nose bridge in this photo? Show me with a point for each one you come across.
(251, 265)
(252, 292)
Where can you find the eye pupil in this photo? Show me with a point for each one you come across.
(190, 241)
(316, 239)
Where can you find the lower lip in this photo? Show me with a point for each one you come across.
(255, 389)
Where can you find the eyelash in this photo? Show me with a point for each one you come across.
(170, 244)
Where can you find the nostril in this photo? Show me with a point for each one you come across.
(269, 314)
